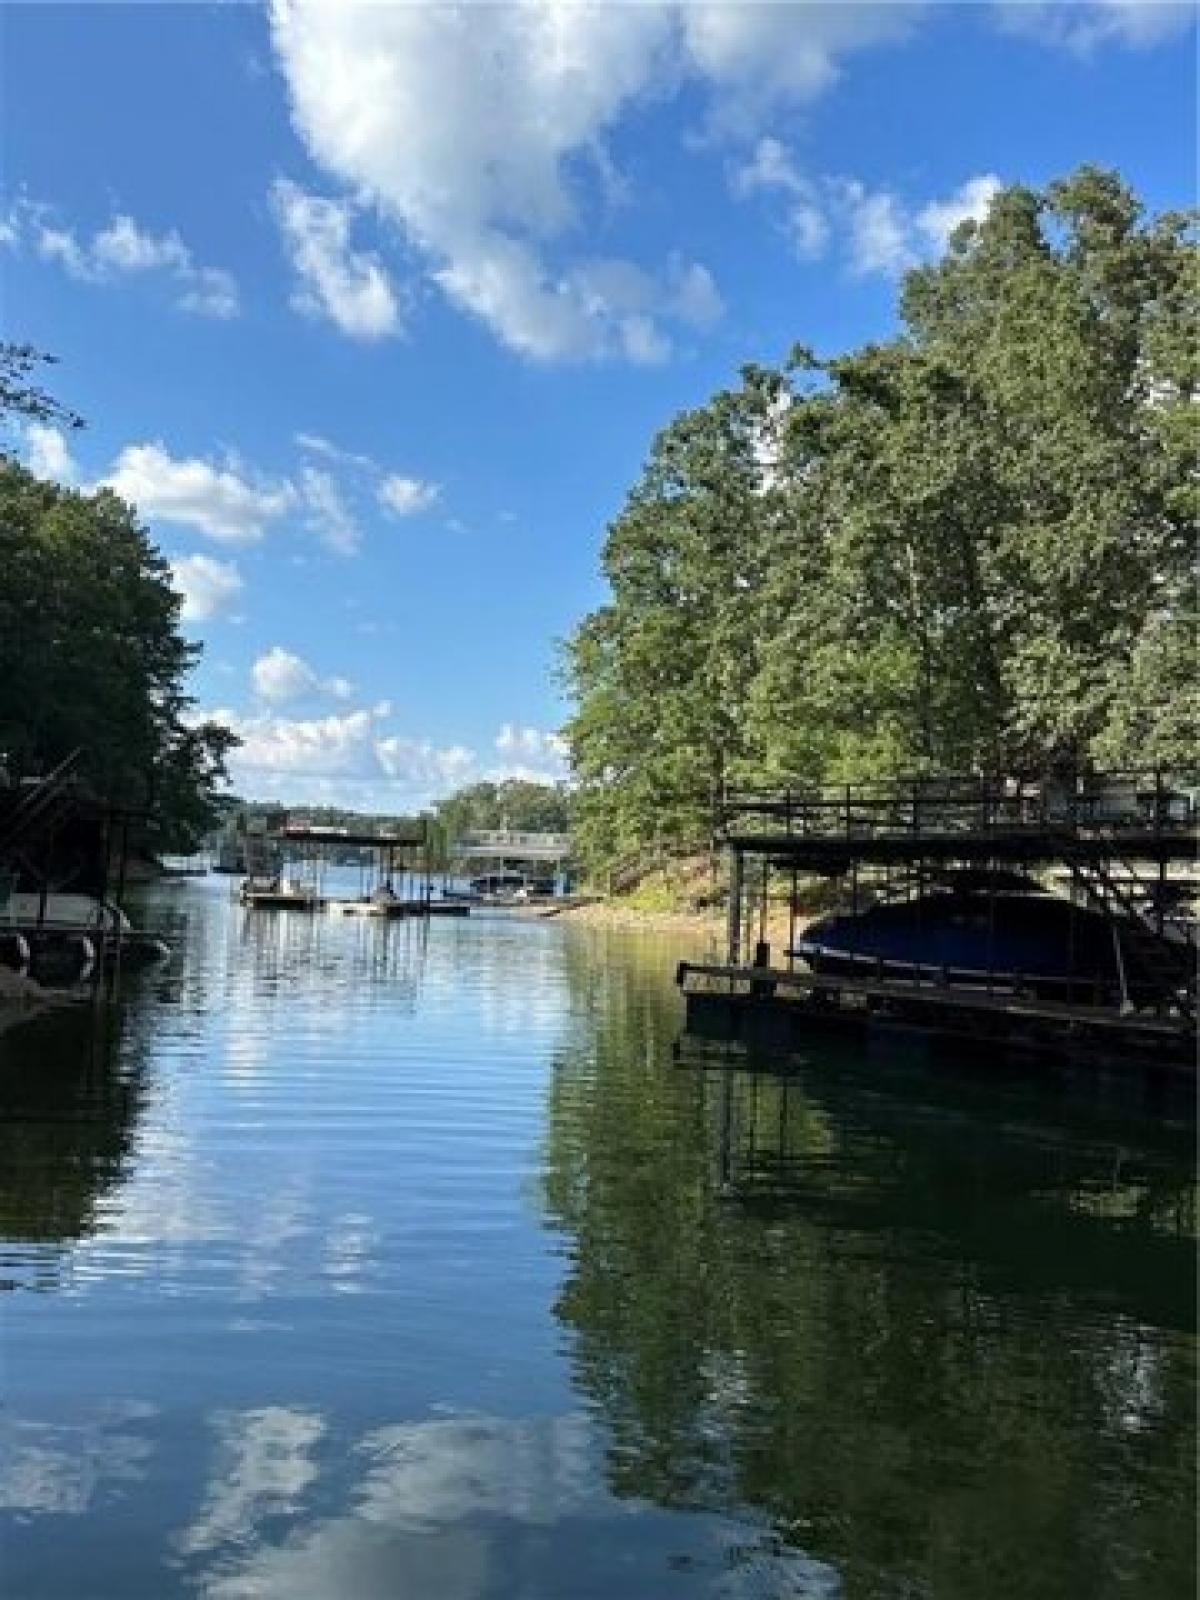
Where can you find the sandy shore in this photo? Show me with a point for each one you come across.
(709, 925)
(612, 914)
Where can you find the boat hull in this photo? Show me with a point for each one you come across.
(1021, 942)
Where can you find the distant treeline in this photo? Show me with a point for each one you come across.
(970, 547)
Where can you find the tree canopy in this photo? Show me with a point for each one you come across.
(91, 657)
(970, 547)
(517, 803)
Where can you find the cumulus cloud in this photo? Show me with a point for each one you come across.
(405, 497)
(387, 100)
(219, 501)
(121, 250)
(280, 675)
(338, 745)
(970, 203)
(209, 587)
(877, 231)
(351, 288)
(531, 753)
(420, 764)
(47, 453)
(355, 756)
(397, 492)
(228, 501)
(351, 757)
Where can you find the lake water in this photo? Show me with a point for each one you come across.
(355, 1261)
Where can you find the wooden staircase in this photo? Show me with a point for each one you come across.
(1160, 956)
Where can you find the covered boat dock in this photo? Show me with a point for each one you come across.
(1125, 844)
(397, 852)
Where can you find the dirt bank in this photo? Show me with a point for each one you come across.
(708, 925)
(616, 914)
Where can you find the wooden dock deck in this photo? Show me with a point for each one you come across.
(776, 1007)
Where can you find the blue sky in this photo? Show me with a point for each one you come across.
(374, 310)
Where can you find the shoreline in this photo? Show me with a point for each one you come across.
(709, 925)
(613, 914)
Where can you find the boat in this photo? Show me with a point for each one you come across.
(498, 885)
(979, 929)
(274, 892)
(74, 928)
(381, 902)
(57, 913)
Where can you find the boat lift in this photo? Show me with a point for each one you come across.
(1123, 840)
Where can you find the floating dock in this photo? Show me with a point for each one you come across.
(1121, 840)
(268, 887)
(282, 899)
(392, 909)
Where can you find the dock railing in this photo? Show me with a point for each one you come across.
(1102, 804)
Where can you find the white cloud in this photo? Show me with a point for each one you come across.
(213, 293)
(208, 587)
(878, 232)
(228, 502)
(1083, 26)
(218, 501)
(387, 100)
(938, 220)
(47, 453)
(328, 515)
(340, 746)
(531, 753)
(354, 757)
(772, 168)
(125, 249)
(349, 287)
(279, 675)
(405, 497)
(420, 764)
(318, 445)
(693, 294)
(350, 757)
(759, 57)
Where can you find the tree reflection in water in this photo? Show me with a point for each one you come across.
(70, 1096)
(937, 1330)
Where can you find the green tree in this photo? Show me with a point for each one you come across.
(971, 547)
(521, 804)
(661, 674)
(21, 396)
(91, 656)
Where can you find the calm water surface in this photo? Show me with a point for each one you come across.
(363, 1261)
